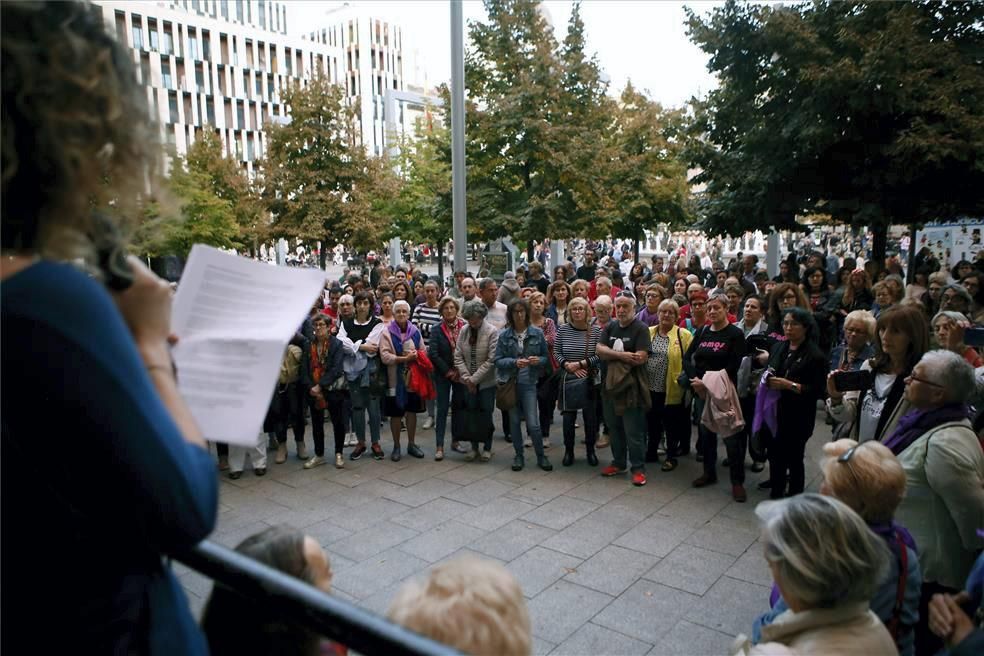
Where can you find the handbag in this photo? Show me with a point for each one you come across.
(505, 395)
(574, 393)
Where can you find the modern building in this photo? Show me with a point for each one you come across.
(381, 74)
(220, 65)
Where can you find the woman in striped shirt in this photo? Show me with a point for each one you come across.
(575, 352)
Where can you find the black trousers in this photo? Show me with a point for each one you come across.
(335, 412)
(590, 423)
(671, 420)
(546, 407)
(786, 455)
(288, 410)
(734, 445)
(926, 642)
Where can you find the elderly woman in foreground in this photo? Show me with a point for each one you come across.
(870, 480)
(944, 467)
(826, 583)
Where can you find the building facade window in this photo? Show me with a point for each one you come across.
(137, 33)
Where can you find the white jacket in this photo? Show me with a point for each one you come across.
(849, 629)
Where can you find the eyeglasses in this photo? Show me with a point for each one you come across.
(923, 381)
(847, 455)
(625, 294)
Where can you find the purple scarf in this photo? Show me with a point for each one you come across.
(647, 318)
(398, 337)
(916, 423)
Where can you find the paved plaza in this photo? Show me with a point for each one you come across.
(606, 568)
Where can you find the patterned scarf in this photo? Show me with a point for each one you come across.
(319, 361)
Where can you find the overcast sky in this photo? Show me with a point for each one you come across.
(641, 40)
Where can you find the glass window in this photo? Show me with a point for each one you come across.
(137, 33)
(224, 9)
(152, 31)
(239, 10)
(166, 79)
(172, 106)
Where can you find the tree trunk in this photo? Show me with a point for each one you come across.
(635, 247)
(530, 251)
(879, 244)
(322, 254)
(910, 257)
(440, 264)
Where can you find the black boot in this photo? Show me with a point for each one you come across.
(568, 457)
(592, 458)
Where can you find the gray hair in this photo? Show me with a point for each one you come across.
(952, 373)
(955, 317)
(846, 566)
(865, 318)
(961, 292)
(474, 308)
(346, 298)
(401, 304)
(669, 303)
(484, 283)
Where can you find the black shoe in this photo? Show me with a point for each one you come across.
(758, 467)
(260, 471)
(415, 451)
(235, 475)
(357, 452)
(726, 462)
(669, 464)
(700, 457)
(592, 459)
(652, 458)
(518, 463)
(544, 464)
(568, 458)
(765, 485)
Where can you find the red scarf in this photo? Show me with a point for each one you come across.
(452, 333)
(318, 362)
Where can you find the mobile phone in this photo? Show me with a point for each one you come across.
(974, 337)
(852, 381)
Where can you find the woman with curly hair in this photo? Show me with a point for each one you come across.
(132, 482)
(784, 295)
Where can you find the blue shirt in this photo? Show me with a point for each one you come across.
(97, 481)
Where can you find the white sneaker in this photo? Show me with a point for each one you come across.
(527, 442)
(351, 440)
(546, 443)
(428, 423)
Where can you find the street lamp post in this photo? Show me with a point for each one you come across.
(460, 229)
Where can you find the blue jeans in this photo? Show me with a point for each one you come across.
(361, 402)
(446, 390)
(527, 407)
(628, 435)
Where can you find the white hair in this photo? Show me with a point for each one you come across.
(846, 566)
(399, 304)
(952, 373)
(346, 298)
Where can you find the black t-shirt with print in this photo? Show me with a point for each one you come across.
(713, 350)
(634, 337)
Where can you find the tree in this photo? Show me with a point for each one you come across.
(647, 179)
(869, 112)
(312, 167)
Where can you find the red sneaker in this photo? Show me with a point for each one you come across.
(612, 470)
(639, 478)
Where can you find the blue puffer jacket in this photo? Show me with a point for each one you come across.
(507, 352)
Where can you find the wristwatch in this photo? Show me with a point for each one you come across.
(796, 387)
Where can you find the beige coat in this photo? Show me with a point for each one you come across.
(722, 409)
(484, 374)
(944, 501)
(850, 629)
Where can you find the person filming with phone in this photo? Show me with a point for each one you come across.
(105, 472)
(872, 398)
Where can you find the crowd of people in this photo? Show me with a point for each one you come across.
(885, 558)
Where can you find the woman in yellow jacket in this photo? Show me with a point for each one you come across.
(667, 344)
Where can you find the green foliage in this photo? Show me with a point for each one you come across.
(870, 112)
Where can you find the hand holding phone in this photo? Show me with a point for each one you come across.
(852, 381)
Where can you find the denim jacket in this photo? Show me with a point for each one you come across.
(507, 352)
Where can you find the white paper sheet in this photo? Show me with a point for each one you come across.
(233, 318)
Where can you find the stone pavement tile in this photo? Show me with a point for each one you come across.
(381, 571)
(562, 608)
(593, 639)
(313, 496)
(730, 606)
(495, 513)
(541, 647)
(526, 475)
(379, 602)
(373, 540)
(431, 514)
(337, 561)
(441, 541)
(416, 472)
(612, 570)
(751, 567)
(690, 568)
(590, 534)
(326, 532)
(304, 478)
(560, 512)
(512, 540)
(697, 506)
(344, 596)
(371, 511)
(543, 489)
(481, 491)
(196, 584)
(258, 510)
(693, 640)
(301, 519)
(467, 552)
(599, 489)
(375, 488)
(634, 503)
(196, 605)
(724, 535)
(233, 537)
(470, 473)
(646, 611)
(656, 535)
(420, 493)
(539, 568)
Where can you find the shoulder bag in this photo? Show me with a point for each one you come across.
(574, 393)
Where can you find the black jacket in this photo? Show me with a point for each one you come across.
(334, 368)
(808, 367)
(439, 350)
